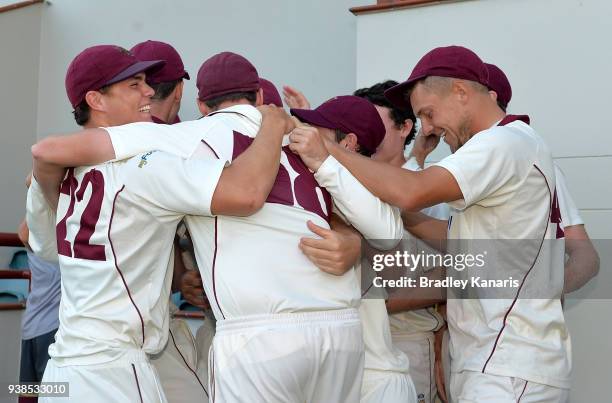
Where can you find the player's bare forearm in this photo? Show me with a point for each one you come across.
(429, 229)
(400, 305)
(409, 298)
(179, 267)
(583, 262)
(244, 186)
(87, 147)
(49, 177)
(411, 191)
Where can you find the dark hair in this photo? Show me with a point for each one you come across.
(376, 95)
(164, 89)
(250, 96)
(82, 112)
(340, 135)
(502, 106)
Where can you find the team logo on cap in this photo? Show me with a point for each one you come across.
(124, 51)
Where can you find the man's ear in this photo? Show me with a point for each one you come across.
(493, 95)
(178, 91)
(406, 128)
(95, 100)
(350, 142)
(259, 98)
(204, 109)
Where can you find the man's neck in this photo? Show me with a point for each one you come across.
(227, 104)
(398, 161)
(164, 110)
(489, 115)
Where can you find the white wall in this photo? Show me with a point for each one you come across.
(19, 42)
(557, 56)
(308, 44)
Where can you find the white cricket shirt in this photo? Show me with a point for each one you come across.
(115, 229)
(251, 265)
(507, 178)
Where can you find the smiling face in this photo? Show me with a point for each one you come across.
(127, 101)
(442, 108)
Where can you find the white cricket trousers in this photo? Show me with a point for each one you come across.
(419, 347)
(472, 386)
(129, 379)
(286, 358)
(387, 387)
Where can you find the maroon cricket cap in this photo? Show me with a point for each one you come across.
(499, 83)
(155, 50)
(448, 61)
(350, 114)
(225, 73)
(102, 65)
(270, 93)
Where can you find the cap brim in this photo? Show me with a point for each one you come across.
(136, 68)
(397, 94)
(313, 117)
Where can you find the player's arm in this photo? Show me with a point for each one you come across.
(411, 191)
(336, 250)
(86, 147)
(395, 305)
(429, 229)
(583, 261)
(378, 222)
(245, 185)
(40, 219)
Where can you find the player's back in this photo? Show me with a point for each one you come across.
(252, 265)
(115, 234)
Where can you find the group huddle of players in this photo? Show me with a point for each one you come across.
(274, 208)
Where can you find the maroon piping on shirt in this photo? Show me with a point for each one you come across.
(526, 274)
(117, 265)
(137, 383)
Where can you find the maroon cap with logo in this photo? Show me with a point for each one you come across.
(270, 93)
(225, 73)
(102, 65)
(350, 114)
(499, 83)
(155, 50)
(449, 61)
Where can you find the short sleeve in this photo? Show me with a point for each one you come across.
(569, 213)
(41, 224)
(380, 223)
(173, 184)
(128, 140)
(489, 166)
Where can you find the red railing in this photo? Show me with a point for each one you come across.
(10, 239)
(19, 5)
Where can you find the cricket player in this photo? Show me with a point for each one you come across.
(115, 230)
(287, 313)
(499, 182)
(176, 364)
(355, 124)
(582, 258)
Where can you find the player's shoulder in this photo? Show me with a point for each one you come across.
(513, 137)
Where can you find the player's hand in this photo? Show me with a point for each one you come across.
(294, 98)
(423, 146)
(193, 290)
(274, 113)
(335, 252)
(307, 142)
(23, 233)
(439, 366)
